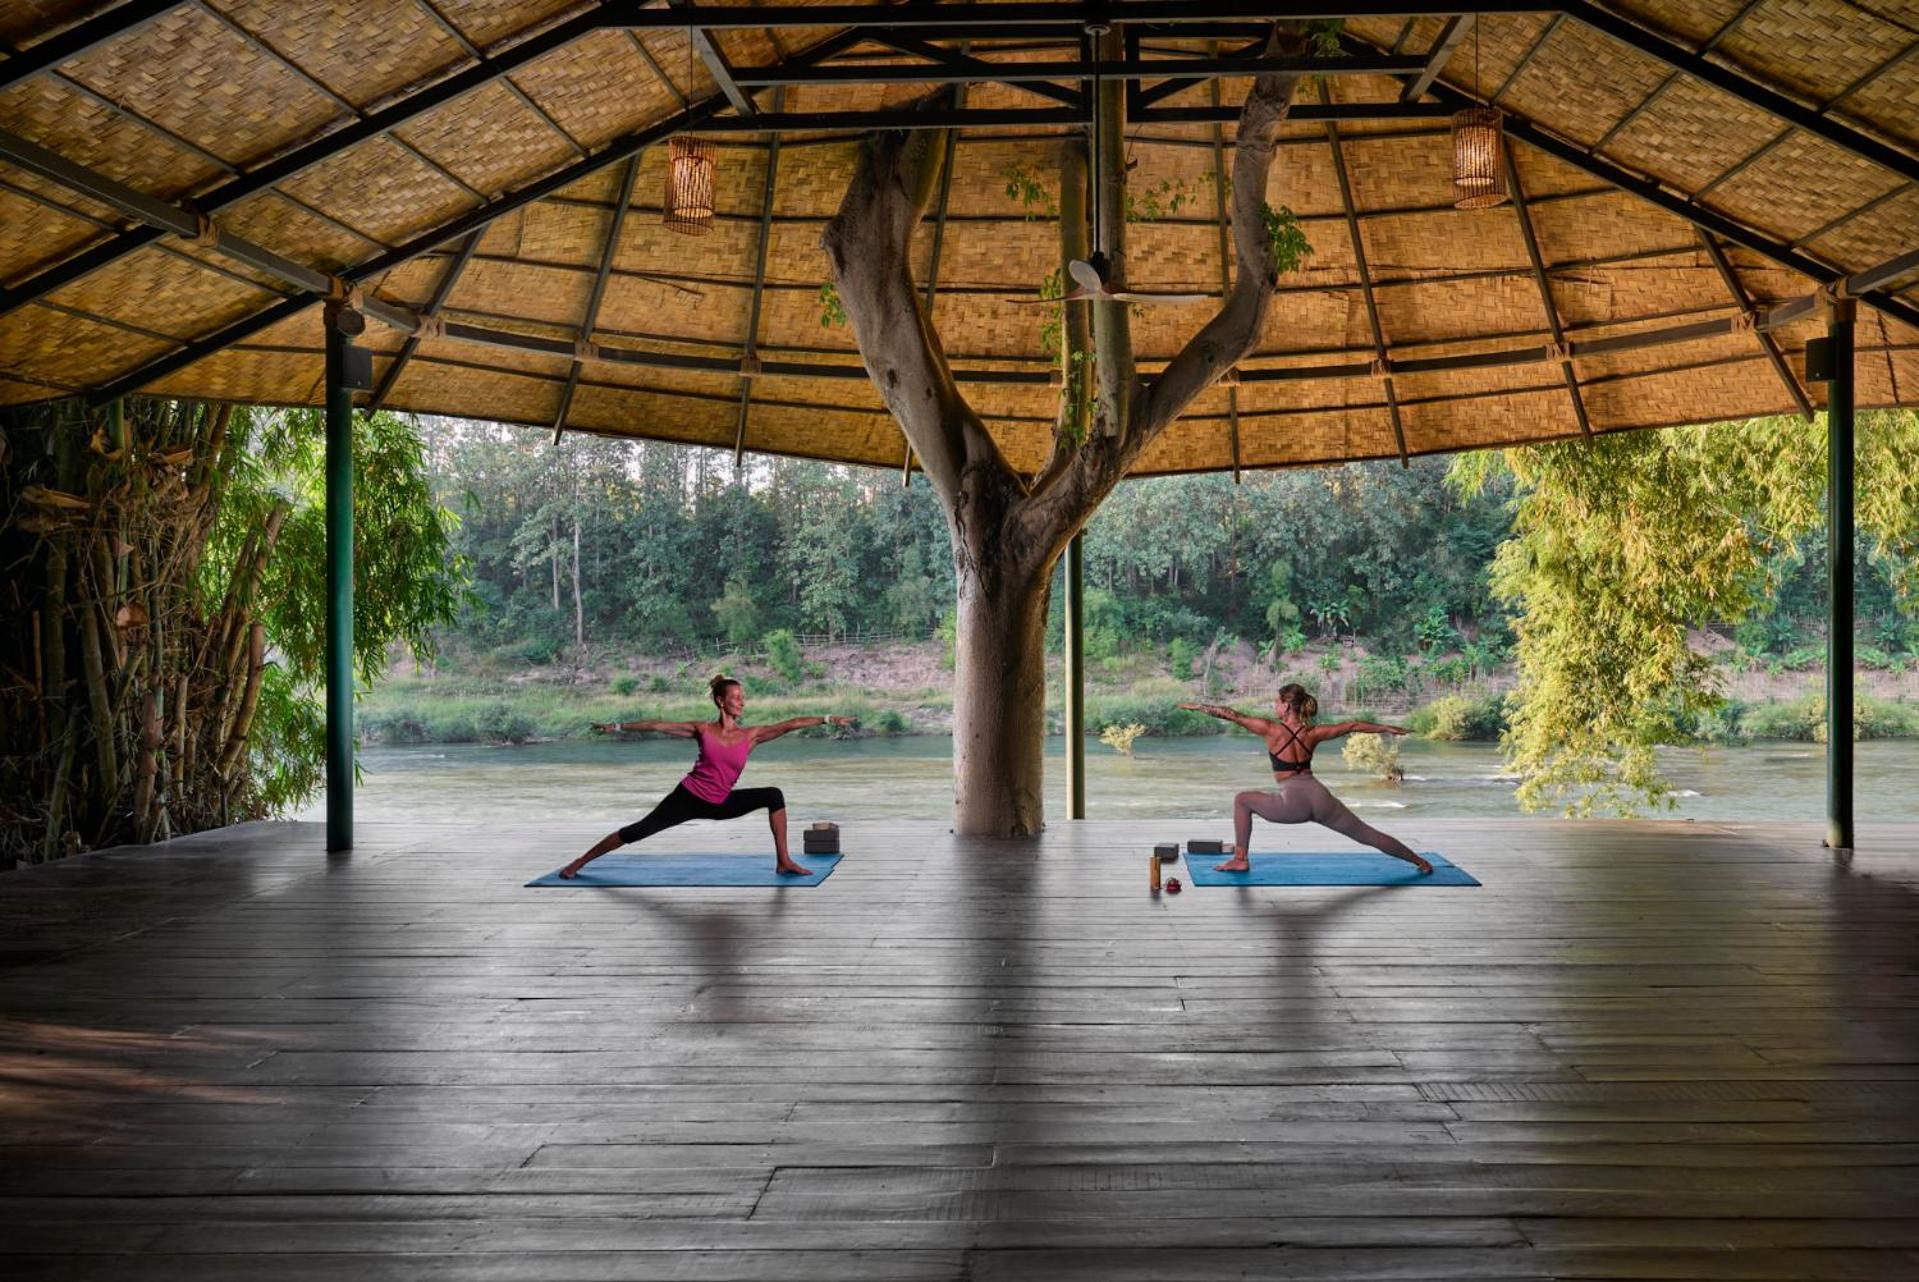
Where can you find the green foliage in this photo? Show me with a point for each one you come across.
(1373, 754)
(783, 652)
(1805, 719)
(408, 578)
(1435, 631)
(1120, 737)
(1322, 37)
(1620, 547)
(1179, 658)
(891, 722)
(1383, 674)
(1165, 198)
(625, 685)
(503, 723)
(1024, 186)
(1456, 717)
(948, 633)
(832, 311)
(1285, 238)
(737, 613)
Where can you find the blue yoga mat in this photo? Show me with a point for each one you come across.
(691, 870)
(1322, 868)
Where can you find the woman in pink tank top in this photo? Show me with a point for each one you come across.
(707, 791)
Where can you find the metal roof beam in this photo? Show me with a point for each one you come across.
(1546, 294)
(1435, 62)
(985, 18)
(974, 70)
(305, 157)
(78, 39)
(1767, 342)
(1383, 365)
(716, 64)
(1743, 88)
(441, 289)
(752, 356)
(1650, 190)
(464, 224)
(965, 61)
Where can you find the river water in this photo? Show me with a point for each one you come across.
(911, 778)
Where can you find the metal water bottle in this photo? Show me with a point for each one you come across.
(1153, 862)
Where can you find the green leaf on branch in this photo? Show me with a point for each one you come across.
(1285, 238)
(832, 311)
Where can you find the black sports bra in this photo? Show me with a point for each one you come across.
(1293, 767)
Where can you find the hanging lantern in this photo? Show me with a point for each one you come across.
(689, 186)
(1479, 162)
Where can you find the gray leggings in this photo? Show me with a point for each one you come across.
(1304, 799)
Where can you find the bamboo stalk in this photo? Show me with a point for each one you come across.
(101, 706)
(146, 763)
(249, 701)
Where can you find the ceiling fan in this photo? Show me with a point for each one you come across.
(1091, 275)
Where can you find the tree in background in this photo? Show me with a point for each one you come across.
(1622, 547)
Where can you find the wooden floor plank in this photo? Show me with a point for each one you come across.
(1638, 1050)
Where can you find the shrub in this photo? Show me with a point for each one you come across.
(1805, 719)
(892, 721)
(402, 725)
(1458, 717)
(1794, 720)
(656, 684)
(1435, 631)
(1120, 738)
(1179, 657)
(1374, 754)
(626, 685)
(1158, 715)
(783, 652)
(501, 722)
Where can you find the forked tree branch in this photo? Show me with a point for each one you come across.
(868, 243)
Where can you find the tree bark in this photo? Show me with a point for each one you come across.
(579, 611)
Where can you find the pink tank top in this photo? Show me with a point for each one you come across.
(717, 767)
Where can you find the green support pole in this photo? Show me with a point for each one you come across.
(1075, 676)
(1839, 604)
(117, 423)
(341, 326)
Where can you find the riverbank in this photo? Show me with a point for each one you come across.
(905, 689)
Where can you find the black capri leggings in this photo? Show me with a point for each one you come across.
(681, 805)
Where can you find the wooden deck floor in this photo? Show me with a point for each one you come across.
(1668, 1050)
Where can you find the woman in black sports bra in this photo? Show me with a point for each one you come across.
(1290, 739)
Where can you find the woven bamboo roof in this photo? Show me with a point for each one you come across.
(1791, 135)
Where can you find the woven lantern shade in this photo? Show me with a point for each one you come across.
(689, 186)
(1479, 162)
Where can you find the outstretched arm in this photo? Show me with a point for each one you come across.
(1258, 725)
(678, 729)
(762, 734)
(1337, 729)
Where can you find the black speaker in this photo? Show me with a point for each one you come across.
(1820, 365)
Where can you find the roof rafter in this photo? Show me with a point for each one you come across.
(768, 192)
(78, 39)
(591, 318)
(306, 156)
(1448, 40)
(1517, 191)
(716, 64)
(1743, 302)
(448, 279)
(698, 116)
(1381, 365)
(1743, 88)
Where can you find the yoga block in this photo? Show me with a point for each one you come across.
(1168, 850)
(1204, 847)
(826, 843)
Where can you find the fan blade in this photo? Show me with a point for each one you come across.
(1130, 297)
(1087, 275)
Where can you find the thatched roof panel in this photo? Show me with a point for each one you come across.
(246, 79)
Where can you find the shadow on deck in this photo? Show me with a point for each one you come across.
(1639, 1050)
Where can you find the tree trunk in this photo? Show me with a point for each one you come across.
(999, 705)
(579, 611)
(1008, 529)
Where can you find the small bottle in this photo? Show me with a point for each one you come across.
(1153, 861)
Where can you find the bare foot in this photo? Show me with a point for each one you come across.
(1233, 865)
(792, 869)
